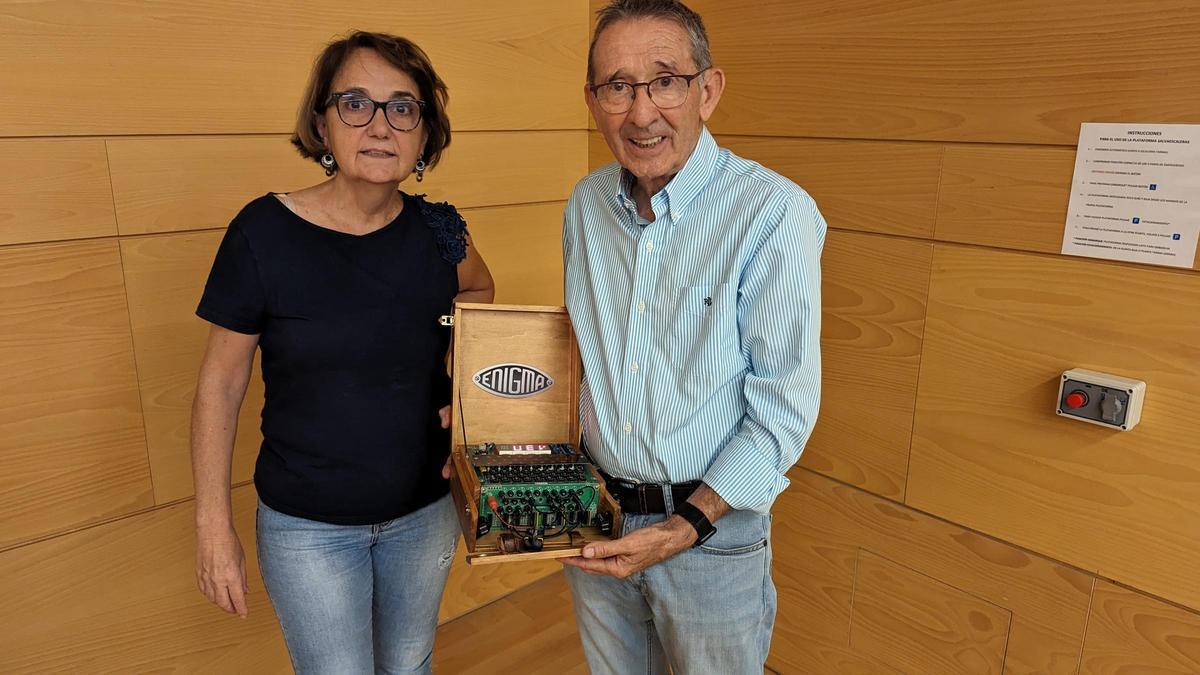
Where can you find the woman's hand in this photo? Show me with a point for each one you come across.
(444, 416)
(221, 568)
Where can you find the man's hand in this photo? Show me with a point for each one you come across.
(650, 545)
(637, 550)
(444, 416)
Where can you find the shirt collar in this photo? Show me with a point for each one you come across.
(686, 185)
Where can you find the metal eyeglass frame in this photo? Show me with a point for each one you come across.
(634, 85)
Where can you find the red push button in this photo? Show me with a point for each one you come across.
(1076, 399)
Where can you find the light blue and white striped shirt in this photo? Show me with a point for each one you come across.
(700, 331)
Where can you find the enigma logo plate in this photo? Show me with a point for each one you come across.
(512, 380)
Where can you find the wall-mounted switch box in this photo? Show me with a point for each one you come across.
(1108, 400)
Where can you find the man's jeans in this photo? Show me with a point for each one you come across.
(706, 611)
(358, 598)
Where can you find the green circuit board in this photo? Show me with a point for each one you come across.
(543, 487)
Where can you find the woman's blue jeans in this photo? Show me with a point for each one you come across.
(358, 598)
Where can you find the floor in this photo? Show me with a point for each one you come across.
(531, 630)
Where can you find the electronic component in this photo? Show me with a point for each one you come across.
(535, 491)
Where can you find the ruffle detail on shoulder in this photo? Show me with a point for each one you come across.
(449, 226)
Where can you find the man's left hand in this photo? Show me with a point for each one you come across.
(637, 550)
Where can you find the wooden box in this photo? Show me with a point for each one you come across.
(516, 373)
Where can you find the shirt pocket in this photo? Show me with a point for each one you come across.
(702, 341)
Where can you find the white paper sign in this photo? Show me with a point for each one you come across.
(1136, 194)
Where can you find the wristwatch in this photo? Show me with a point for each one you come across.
(699, 522)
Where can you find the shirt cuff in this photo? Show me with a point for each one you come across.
(745, 478)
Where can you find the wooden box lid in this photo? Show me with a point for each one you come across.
(516, 373)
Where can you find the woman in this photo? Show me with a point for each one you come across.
(341, 285)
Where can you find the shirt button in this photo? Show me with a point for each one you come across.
(649, 246)
(641, 307)
(628, 427)
(634, 367)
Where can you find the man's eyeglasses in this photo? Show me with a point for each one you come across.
(666, 92)
(356, 110)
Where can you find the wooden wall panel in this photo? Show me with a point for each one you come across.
(186, 183)
(170, 184)
(227, 67)
(988, 450)
(165, 277)
(889, 188)
(72, 448)
(820, 525)
(873, 297)
(122, 597)
(916, 624)
(598, 152)
(963, 70)
(1005, 196)
(1131, 633)
(52, 190)
(523, 247)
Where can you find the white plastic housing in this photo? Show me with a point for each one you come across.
(1135, 389)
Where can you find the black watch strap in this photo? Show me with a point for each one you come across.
(699, 522)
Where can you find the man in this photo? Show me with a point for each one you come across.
(693, 284)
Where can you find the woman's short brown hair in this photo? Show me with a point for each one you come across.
(399, 52)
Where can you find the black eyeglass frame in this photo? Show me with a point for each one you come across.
(634, 85)
(336, 96)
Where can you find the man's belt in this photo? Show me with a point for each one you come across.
(647, 497)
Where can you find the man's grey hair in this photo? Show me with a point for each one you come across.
(672, 10)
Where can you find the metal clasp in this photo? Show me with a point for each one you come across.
(446, 320)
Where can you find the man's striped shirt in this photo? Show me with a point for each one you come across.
(699, 331)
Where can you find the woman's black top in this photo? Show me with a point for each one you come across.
(352, 354)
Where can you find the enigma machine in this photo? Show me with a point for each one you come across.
(522, 488)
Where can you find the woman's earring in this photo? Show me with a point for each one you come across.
(329, 163)
(420, 167)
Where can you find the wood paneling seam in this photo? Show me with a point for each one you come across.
(202, 230)
(1019, 251)
(112, 193)
(853, 594)
(964, 528)
(133, 347)
(914, 570)
(912, 427)
(1087, 620)
(1094, 575)
(903, 141)
(265, 134)
(55, 534)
